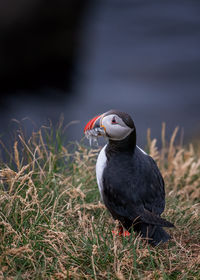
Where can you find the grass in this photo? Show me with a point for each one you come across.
(53, 226)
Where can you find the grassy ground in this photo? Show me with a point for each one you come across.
(52, 225)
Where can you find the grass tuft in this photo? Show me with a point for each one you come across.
(53, 226)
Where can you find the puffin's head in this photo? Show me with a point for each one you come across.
(113, 124)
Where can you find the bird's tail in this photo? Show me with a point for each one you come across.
(154, 234)
(159, 236)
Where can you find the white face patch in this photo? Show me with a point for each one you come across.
(115, 127)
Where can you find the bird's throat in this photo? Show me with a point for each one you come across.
(126, 145)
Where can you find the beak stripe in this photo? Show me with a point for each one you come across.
(91, 123)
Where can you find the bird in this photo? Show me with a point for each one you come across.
(129, 181)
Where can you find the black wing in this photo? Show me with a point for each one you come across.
(133, 187)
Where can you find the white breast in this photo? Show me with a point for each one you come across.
(100, 165)
(142, 151)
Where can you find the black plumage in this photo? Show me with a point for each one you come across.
(133, 189)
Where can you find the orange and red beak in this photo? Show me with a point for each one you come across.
(94, 124)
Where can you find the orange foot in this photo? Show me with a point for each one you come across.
(121, 232)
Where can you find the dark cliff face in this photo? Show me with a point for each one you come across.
(39, 41)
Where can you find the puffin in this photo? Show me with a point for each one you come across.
(129, 181)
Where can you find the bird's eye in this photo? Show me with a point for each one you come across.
(114, 120)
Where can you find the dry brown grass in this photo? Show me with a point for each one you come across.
(52, 225)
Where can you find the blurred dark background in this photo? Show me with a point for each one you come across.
(83, 57)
